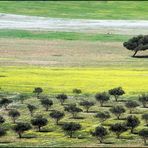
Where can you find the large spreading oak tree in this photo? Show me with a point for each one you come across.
(138, 43)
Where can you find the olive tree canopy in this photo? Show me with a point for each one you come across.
(138, 43)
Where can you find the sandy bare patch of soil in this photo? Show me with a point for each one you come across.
(65, 53)
(11, 21)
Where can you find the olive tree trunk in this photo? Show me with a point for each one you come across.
(135, 53)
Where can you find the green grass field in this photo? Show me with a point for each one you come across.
(79, 9)
(50, 35)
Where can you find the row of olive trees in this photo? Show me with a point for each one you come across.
(100, 132)
(100, 97)
(40, 121)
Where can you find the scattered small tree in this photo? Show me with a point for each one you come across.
(116, 92)
(131, 105)
(46, 103)
(70, 128)
(2, 132)
(102, 97)
(103, 116)
(117, 111)
(137, 43)
(62, 98)
(87, 104)
(132, 122)
(31, 109)
(14, 114)
(144, 134)
(21, 127)
(4, 102)
(22, 97)
(73, 109)
(2, 120)
(38, 91)
(77, 91)
(144, 99)
(57, 115)
(39, 122)
(100, 133)
(145, 117)
(118, 129)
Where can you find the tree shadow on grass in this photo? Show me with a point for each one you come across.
(121, 100)
(121, 118)
(46, 130)
(108, 142)
(5, 142)
(135, 133)
(29, 136)
(93, 111)
(107, 105)
(78, 118)
(89, 112)
(141, 56)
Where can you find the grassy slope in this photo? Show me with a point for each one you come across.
(79, 9)
(23, 34)
(56, 137)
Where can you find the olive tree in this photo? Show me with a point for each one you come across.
(118, 129)
(145, 117)
(21, 127)
(131, 105)
(86, 104)
(144, 134)
(77, 91)
(2, 132)
(70, 128)
(2, 119)
(73, 109)
(37, 91)
(100, 133)
(138, 43)
(116, 92)
(117, 111)
(103, 116)
(57, 116)
(102, 97)
(31, 109)
(39, 122)
(47, 103)
(14, 114)
(144, 99)
(132, 122)
(62, 98)
(22, 97)
(4, 102)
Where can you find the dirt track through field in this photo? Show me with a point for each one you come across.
(11, 21)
